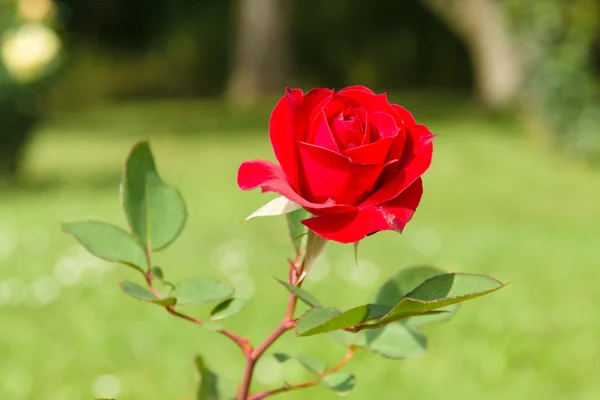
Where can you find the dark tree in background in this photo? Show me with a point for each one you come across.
(386, 45)
(262, 54)
(496, 57)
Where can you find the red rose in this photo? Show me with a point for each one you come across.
(349, 157)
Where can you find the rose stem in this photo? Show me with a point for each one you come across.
(285, 325)
(242, 343)
(314, 382)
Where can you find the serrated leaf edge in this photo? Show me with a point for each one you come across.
(157, 300)
(340, 314)
(307, 302)
(404, 299)
(425, 302)
(307, 312)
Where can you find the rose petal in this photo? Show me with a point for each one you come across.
(337, 104)
(388, 173)
(369, 102)
(379, 137)
(330, 175)
(289, 124)
(397, 146)
(358, 87)
(315, 100)
(354, 226)
(405, 116)
(271, 178)
(416, 159)
(347, 128)
(372, 153)
(382, 125)
(406, 122)
(320, 133)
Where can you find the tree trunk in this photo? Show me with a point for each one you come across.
(261, 57)
(495, 54)
(15, 133)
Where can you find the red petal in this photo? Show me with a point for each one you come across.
(382, 130)
(416, 159)
(397, 147)
(333, 176)
(357, 87)
(372, 153)
(289, 124)
(271, 178)
(320, 133)
(367, 101)
(354, 226)
(406, 122)
(405, 116)
(382, 125)
(315, 100)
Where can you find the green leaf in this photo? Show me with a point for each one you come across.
(425, 301)
(155, 211)
(344, 320)
(302, 294)
(212, 387)
(143, 294)
(108, 242)
(228, 307)
(405, 281)
(350, 339)
(158, 272)
(314, 247)
(396, 341)
(314, 365)
(356, 253)
(442, 291)
(340, 382)
(313, 318)
(295, 227)
(277, 206)
(196, 291)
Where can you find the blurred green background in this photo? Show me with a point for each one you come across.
(510, 87)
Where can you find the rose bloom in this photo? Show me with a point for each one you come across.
(349, 157)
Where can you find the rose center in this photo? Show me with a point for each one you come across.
(348, 129)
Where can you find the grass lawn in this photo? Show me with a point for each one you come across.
(492, 204)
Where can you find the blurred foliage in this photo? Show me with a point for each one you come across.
(29, 50)
(128, 49)
(144, 48)
(558, 39)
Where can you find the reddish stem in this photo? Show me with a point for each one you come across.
(344, 361)
(253, 354)
(242, 343)
(304, 385)
(283, 389)
(285, 325)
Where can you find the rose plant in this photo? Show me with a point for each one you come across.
(350, 158)
(350, 165)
